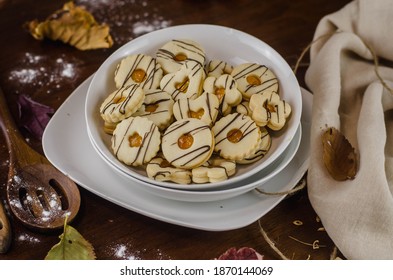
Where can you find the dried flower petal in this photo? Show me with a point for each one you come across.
(339, 156)
(244, 253)
(72, 25)
(33, 116)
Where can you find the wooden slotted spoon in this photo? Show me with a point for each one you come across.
(38, 194)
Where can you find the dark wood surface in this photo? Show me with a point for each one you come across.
(31, 67)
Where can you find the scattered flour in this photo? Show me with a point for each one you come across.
(28, 238)
(142, 27)
(127, 252)
(30, 72)
(125, 25)
(122, 252)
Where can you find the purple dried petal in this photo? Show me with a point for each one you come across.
(244, 253)
(33, 116)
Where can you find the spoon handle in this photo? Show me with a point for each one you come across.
(6, 123)
(5, 230)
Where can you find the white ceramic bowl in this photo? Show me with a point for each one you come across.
(226, 44)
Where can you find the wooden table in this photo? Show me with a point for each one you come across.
(31, 67)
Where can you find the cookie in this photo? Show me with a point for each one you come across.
(160, 170)
(236, 136)
(262, 150)
(244, 108)
(187, 143)
(157, 107)
(175, 53)
(205, 108)
(225, 88)
(109, 127)
(136, 141)
(187, 82)
(253, 78)
(138, 69)
(269, 110)
(122, 103)
(216, 68)
(214, 170)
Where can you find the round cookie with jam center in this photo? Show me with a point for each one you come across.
(236, 136)
(121, 104)
(158, 107)
(136, 141)
(138, 69)
(175, 53)
(253, 78)
(187, 143)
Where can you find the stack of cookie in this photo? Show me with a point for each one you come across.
(187, 120)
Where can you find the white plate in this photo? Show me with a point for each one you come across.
(235, 47)
(66, 145)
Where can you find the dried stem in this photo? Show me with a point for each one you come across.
(301, 185)
(314, 245)
(270, 242)
(374, 55)
(333, 255)
(376, 67)
(308, 47)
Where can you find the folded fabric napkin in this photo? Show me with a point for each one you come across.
(357, 214)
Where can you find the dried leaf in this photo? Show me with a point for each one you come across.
(33, 116)
(339, 156)
(72, 246)
(72, 25)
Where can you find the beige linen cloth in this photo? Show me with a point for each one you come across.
(357, 214)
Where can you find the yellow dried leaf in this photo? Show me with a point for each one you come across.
(339, 156)
(72, 25)
(72, 246)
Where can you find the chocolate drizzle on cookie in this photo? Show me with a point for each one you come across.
(189, 49)
(156, 171)
(130, 64)
(142, 153)
(262, 149)
(247, 138)
(217, 68)
(205, 108)
(246, 127)
(125, 94)
(194, 155)
(267, 81)
(191, 75)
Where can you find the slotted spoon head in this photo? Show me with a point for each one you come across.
(41, 197)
